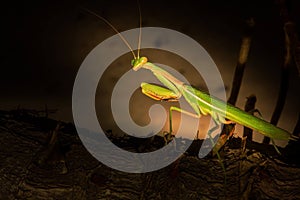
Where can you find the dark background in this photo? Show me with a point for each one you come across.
(45, 42)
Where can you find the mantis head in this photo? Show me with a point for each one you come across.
(137, 63)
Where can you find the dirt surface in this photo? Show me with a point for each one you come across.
(44, 159)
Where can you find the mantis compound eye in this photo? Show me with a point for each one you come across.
(143, 60)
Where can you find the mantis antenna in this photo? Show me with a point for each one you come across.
(121, 36)
(140, 33)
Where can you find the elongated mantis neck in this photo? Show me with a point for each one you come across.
(159, 71)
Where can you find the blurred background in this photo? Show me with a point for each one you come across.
(45, 42)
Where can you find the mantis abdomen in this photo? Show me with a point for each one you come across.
(239, 116)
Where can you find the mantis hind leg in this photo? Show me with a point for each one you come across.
(217, 121)
(274, 145)
(272, 140)
(217, 125)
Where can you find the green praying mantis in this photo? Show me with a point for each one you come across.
(201, 102)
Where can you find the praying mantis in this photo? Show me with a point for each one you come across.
(202, 103)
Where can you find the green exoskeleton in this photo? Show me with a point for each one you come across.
(200, 101)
